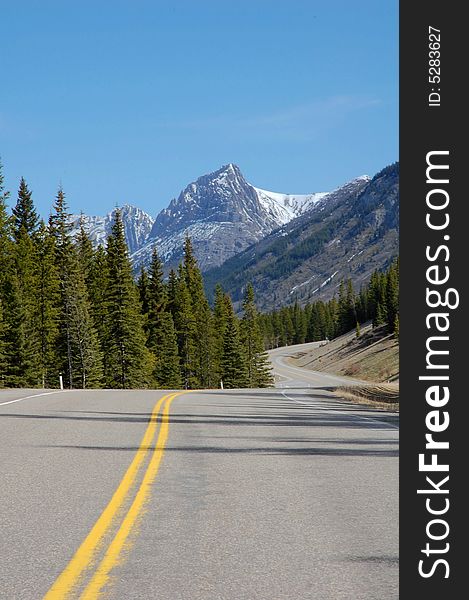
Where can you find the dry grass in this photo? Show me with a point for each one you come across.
(384, 396)
(374, 356)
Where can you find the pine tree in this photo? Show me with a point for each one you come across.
(392, 295)
(127, 360)
(172, 288)
(157, 301)
(86, 353)
(78, 353)
(346, 308)
(332, 311)
(258, 369)
(203, 330)
(24, 214)
(396, 327)
(85, 250)
(185, 324)
(5, 272)
(3, 361)
(299, 324)
(317, 323)
(373, 296)
(142, 285)
(233, 360)
(46, 313)
(220, 314)
(380, 318)
(59, 228)
(16, 341)
(287, 326)
(22, 293)
(167, 372)
(5, 234)
(98, 278)
(278, 330)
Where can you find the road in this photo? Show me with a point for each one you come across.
(286, 493)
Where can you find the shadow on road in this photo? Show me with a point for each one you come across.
(273, 450)
(283, 420)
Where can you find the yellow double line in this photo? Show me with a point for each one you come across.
(87, 554)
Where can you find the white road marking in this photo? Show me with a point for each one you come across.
(339, 412)
(33, 396)
(315, 375)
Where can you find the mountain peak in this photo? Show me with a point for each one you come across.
(221, 212)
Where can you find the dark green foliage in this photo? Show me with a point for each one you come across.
(258, 372)
(185, 324)
(167, 372)
(220, 317)
(24, 214)
(202, 316)
(396, 327)
(142, 285)
(392, 294)
(85, 251)
(346, 317)
(79, 356)
(68, 308)
(46, 312)
(233, 360)
(5, 234)
(378, 302)
(18, 350)
(156, 298)
(3, 358)
(128, 363)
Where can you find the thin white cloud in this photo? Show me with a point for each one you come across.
(303, 121)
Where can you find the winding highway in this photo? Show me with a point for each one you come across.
(273, 494)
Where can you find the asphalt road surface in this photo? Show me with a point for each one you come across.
(286, 493)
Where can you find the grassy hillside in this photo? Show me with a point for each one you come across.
(374, 356)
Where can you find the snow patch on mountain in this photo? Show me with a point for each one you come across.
(221, 212)
(137, 226)
(286, 207)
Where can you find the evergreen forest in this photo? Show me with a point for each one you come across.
(74, 313)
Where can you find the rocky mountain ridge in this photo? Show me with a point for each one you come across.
(221, 212)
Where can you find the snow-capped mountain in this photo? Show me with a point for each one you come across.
(221, 212)
(347, 234)
(137, 226)
(287, 206)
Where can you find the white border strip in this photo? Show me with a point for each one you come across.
(33, 396)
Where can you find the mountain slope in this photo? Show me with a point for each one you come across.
(222, 214)
(349, 233)
(137, 226)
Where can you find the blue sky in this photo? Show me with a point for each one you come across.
(128, 101)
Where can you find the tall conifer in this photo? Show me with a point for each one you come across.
(233, 360)
(185, 324)
(127, 360)
(258, 369)
(46, 307)
(167, 371)
(79, 355)
(24, 214)
(203, 332)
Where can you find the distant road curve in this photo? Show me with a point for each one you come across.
(297, 376)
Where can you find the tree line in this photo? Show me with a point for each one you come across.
(378, 302)
(72, 311)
